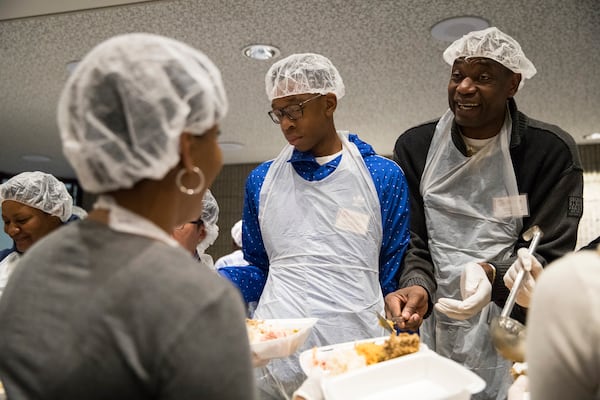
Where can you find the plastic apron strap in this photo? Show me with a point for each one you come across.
(7, 267)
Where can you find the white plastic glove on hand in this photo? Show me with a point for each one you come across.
(533, 267)
(310, 389)
(476, 291)
(519, 390)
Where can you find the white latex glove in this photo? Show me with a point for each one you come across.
(310, 389)
(476, 291)
(519, 390)
(533, 267)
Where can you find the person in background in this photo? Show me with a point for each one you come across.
(34, 204)
(209, 217)
(113, 307)
(196, 236)
(479, 177)
(562, 350)
(325, 222)
(236, 257)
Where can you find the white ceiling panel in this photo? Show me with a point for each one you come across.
(391, 64)
(11, 9)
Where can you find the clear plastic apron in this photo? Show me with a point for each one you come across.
(7, 266)
(458, 194)
(323, 240)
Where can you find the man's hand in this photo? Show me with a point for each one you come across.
(476, 291)
(406, 307)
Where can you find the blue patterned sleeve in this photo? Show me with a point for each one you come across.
(392, 189)
(251, 279)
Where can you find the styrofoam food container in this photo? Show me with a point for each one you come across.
(325, 353)
(284, 346)
(422, 375)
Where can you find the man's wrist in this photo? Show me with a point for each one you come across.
(490, 271)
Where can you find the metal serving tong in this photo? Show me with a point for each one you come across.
(385, 323)
(508, 334)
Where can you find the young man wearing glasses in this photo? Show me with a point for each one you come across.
(325, 222)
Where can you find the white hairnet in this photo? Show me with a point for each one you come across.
(303, 73)
(210, 209)
(493, 44)
(212, 233)
(210, 216)
(39, 190)
(79, 212)
(236, 233)
(124, 107)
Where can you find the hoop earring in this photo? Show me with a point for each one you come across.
(185, 189)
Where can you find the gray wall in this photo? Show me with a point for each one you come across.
(228, 189)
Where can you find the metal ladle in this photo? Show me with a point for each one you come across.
(508, 334)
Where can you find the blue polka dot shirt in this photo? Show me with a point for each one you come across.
(392, 190)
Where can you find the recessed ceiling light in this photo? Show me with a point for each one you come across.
(454, 28)
(592, 136)
(260, 51)
(231, 146)
(35, 158)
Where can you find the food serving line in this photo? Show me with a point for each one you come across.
(377, 368)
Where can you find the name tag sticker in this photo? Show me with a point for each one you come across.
(352, 221)
(511, 206)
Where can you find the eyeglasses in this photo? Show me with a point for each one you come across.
(293, 112)
(197, 222)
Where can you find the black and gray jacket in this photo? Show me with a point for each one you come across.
(548, 170)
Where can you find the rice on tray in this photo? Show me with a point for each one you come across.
(366, 353)
(260, 331)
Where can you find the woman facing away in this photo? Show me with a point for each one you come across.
(113, 307)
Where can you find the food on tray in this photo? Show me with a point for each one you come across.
(366, 353)
(342, 361)
(396, 346)
(278, 338)
(260, 331)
